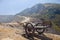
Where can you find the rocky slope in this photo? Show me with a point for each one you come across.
(9, 33)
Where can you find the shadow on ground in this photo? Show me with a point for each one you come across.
(40, 37)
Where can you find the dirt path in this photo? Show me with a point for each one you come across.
(26, 19)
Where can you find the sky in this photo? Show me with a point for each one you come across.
(12, 7)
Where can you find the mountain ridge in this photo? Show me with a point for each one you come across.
(47, 10)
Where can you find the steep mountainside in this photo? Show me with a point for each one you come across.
(41, 8)
(29, 11)
(46, 11)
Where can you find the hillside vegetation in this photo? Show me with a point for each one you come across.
(47, 11)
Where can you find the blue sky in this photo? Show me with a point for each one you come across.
(12, 7)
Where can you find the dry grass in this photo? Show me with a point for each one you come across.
(9, 33)
(53, 36)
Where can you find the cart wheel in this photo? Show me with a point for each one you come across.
(29, 29)
(40, 30)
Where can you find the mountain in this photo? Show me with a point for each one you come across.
(29, 11)
(6, 18)
(41, 8)
(49, 11)
(10, 18)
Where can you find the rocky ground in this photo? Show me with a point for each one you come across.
(16, 32)
(9, 33)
